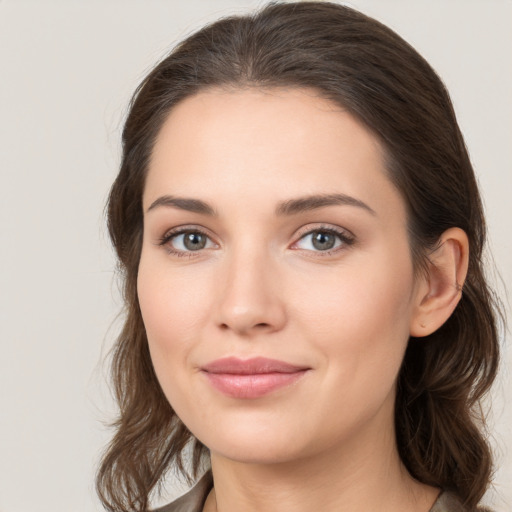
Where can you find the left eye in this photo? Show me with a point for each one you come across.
(320, 240)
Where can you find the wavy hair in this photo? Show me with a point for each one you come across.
(379, 78)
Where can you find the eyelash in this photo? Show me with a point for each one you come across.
(166, 239)
(346, 238)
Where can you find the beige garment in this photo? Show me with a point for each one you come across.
(194, 500)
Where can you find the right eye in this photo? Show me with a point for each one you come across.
(187, 241)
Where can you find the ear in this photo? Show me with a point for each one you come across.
(439, 289)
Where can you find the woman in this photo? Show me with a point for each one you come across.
(301, 235)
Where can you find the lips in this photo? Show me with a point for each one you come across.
(251, 378)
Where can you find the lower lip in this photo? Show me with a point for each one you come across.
(253, 385)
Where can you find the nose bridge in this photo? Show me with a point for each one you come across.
(249, 300)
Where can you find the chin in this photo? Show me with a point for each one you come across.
(257, 453)
(252, 444)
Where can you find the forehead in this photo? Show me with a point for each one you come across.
(264, 144)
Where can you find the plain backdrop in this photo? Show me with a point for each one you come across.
(68, 69)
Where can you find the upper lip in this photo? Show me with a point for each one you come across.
(255, 365)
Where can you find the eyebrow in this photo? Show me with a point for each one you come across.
(183, 203)
(290, 207)
(308, 203)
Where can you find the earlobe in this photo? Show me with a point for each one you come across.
(440, 288)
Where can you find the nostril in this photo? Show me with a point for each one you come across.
(258, 326)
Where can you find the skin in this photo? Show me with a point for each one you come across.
(259, 287)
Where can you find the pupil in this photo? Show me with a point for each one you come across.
(194, 241)
(323, 241)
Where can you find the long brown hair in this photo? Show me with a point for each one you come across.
(362, 65)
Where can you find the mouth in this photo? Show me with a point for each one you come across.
(251, 378)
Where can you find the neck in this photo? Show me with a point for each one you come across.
(368, 475)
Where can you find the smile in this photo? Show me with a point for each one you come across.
(251, 378)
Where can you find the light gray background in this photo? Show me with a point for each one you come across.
(67, 71)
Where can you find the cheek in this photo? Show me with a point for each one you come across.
(171, 310)
(366, 298)
(358, 323)
(359, 318)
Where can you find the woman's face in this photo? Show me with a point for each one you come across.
(275, 282)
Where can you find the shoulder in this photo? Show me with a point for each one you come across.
(194, 499)
(448, 502)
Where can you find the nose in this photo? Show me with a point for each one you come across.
(250, 302)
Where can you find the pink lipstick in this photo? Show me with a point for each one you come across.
(251, 378)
